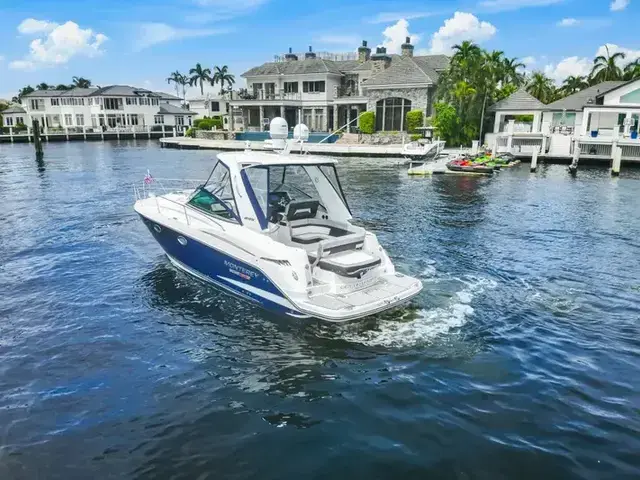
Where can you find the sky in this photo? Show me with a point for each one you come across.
(140, 42)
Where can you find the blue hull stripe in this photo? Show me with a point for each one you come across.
(220, 269)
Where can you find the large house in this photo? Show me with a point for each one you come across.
(107, 108)
(326, 91)
(596, 120)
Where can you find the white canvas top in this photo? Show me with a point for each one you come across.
(248, 158)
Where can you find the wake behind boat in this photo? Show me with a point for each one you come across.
(275, 229)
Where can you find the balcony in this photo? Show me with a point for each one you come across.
(263, 95)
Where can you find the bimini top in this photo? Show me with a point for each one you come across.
(249, 158)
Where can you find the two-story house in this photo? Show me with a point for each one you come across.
(107, 108)
(326, 91)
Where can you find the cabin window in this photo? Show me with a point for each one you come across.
(215, 106)
(158, 119)
(290, 87)
(390, 114)
(313, 87)
(216, 196)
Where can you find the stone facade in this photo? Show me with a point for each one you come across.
(419, 97)
(215, 135)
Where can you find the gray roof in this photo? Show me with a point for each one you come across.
(519, 100)
(405, 71)
(308, 65)
(579, 100)
(44, 93)
(111, 90)
(167, 96)
(14, 109)
(123, 91)
(166, 109)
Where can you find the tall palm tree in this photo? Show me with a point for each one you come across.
(466, 57)
(541, 87)
(605, 67)
(81, 82)
(176, 78)
(511, 66)
(221, 75)
(199, 75)
(183, 82)
(43, 86)
(573, 84)
(632, 70)
(62, 86)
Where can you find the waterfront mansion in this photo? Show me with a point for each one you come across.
(326, 91)
(107, 108)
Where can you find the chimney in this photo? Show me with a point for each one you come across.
(290, 57)
(407, 48)
(364, 52)
(310, 53)
(381, 60)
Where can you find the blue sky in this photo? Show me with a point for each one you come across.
(140, 43)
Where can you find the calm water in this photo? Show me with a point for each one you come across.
(519, 360)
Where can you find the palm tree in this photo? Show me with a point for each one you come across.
(605, 67)
(541, 87)
(81, 82)
(199, 74)
(511, 66)
(465, 58)
(183, 82)
(573, 84)
(62, 86)
(632, 70)
(43, 86)
(176, 78)
(221, 75)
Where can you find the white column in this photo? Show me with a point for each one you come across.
(11, 133)
(261, 117)
(534, 160)
(325, 119)
(617, 160)
(84, 132)
(627, 127)
(496, 123)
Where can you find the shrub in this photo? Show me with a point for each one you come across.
(415, 120)
(191, 132)
(368, 122)
(207, 123)
(415, 137)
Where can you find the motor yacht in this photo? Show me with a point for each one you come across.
(275, 229)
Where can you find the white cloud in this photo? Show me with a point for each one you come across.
(568, 22)
(529, 62)
(462, 26)
(57, 44)
(388, 17)
(338, 39)
(568, 66)
(29, 26)
(153, 33)
(395, 35)
(506, 5)
(618, 5)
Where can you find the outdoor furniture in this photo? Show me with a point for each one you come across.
(594, 133)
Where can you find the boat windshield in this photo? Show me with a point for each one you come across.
(275, 186)
(216, 197)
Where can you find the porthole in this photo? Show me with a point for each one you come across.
(157, 228)
(182, 241)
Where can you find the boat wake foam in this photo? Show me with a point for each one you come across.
(423, 326)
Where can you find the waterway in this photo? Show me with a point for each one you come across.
(519, 360)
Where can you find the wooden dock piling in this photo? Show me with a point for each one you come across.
(534, 160)
(37, 140)
(617, 160)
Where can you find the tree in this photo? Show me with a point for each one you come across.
(632, 70)
(221, 75)
(541, 87)
(511, 74)
(176, 78)
(573, 84)
(22, 92)
(81, 82)
(199, 75)
(43, 86)
(62, 86)
(605, 67)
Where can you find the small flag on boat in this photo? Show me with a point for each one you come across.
(148, 178)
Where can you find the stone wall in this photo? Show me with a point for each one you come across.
(384, 138)
(419, 97)
(215, 135)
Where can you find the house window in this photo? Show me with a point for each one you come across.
(37, 104)
(113, 104)
(307, 117)
(290, 87)
(80, 120)
(132, 101)
(313, 87)
(256, 87)
(9, 121)
(90, 101)
(390, 114)
(319, 119)
(19, 121)
(132, 119)
(179, 120)
(55, 102)
(158, 119)
(154, 101)
(68, 119)
(215, 106)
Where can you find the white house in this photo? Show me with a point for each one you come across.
(107, 108)
(325, 91)
(596, 120)
(209, 106)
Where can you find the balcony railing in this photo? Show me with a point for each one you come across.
(265, 95)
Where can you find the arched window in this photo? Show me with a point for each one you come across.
(391, 114)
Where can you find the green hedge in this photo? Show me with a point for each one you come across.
(415, 120)
(368, 122)
(415, 137)
(207, 123)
